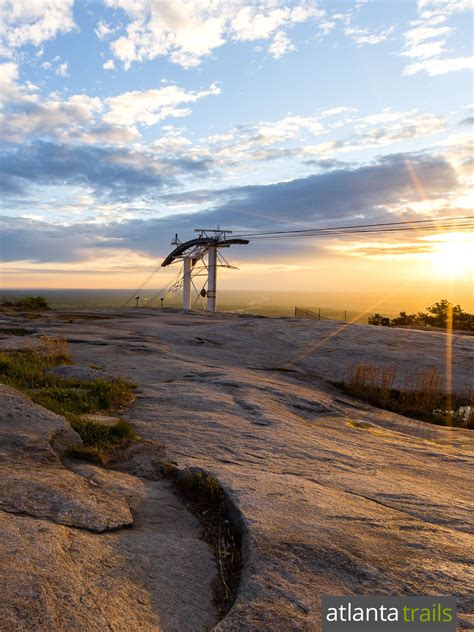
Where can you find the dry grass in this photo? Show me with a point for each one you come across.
(55, 347)
(421, 396)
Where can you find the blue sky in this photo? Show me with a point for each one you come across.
(124, 121)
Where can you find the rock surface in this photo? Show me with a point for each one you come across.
(91, 575)
(334, 496)
(32, 479)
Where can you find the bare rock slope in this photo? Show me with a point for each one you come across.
(70, 561)
(333, 496)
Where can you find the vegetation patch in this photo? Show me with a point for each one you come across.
(420, 398)
(29, 370)
(68, 396)
(99, 440)
(205, 498)
(25, 304)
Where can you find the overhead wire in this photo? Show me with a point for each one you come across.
(431, 224)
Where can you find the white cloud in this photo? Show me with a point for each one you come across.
(220, 138)
(363, 36)
(430, 8)
(50, 117)
(33, 22)
(103, 30)
(287, 128)
(9, 90)
(152, 106)
(337, 110)
(80, 118)
(109, 65)
(425, 50)
(171, 144)
(438, 66)
(108, 134)
(425, 41)
(326, 27)
(280, 45)
(61, 70)
(381, 129)
(386, 116)
(187, 31)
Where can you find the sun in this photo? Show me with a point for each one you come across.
(453, 254)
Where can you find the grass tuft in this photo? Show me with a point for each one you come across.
(99, 440)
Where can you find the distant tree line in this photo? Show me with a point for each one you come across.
(437, 315)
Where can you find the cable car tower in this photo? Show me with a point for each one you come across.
(193, 254)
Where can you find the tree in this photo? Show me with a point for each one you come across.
(438, 315)
(405, 319)
(375, 319)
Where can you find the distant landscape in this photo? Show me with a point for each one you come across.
(353, 307)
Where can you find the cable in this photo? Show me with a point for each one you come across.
(167, 287)
(150, 276)
(335, 233)
(338, 228)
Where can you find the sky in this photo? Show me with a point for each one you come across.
(124, 122)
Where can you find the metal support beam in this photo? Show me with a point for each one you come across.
(212, 279)
(187, 269)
